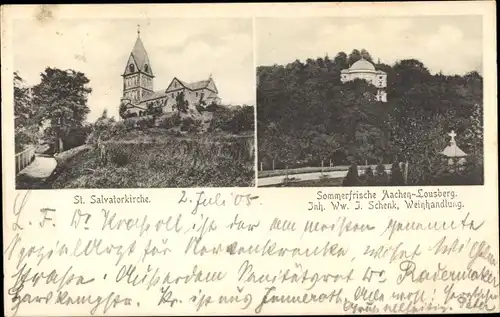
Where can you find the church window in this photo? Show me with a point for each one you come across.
(146, 68)
(131, 67)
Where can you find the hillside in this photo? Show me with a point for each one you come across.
(166, 153)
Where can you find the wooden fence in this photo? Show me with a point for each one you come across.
(24, 158)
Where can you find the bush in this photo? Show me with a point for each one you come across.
(145, 122)
(129, 123)
(233, 119)
(396, 175)
(352, 178)
(368, 177)
(380, 178)
(118, 157)
(188, 124)
(470, 173)
(25, 137)
(171, 121)
(105, 130)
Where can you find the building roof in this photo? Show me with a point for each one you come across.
(191, 86)
(140, 57)
(195, 85)
(199, 84)
(362, 64)
(155, 95)
(212, 95)
(202, 84)
(453, 150)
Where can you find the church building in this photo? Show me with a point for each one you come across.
(364, 69)
(138, 87)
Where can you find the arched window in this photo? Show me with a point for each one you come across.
(131, 67)
(146, 67)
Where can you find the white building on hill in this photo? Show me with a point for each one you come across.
(364, 69)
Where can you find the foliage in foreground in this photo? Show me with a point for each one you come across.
(149, 165)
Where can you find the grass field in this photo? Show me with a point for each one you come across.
(168, 162)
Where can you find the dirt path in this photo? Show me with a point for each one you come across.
(35, 174)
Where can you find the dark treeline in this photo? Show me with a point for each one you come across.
(306, 115)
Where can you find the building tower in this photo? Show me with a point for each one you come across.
(364, 69)
(138, 75)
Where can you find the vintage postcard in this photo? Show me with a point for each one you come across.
(150, 103)
(250, 159)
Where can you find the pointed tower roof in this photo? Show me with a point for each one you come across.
(140, 57)
(452, 150)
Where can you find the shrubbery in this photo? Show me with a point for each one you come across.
(352, 177)
(103, 130)
(233, 119)
(434, 173)
(145, 122)
(396, 178)
(24, 137)
(189, 124)
(118, 157)
(170, 121)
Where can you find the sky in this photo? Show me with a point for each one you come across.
(190, 49)
(451, 44)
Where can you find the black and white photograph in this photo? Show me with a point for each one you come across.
(134, 103)
(369, 101)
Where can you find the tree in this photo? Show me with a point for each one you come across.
(397, 178)
(26, 117)
(340, 61)
(405, 74)
(473, 136)
(23, 111)
(369, 177)
(352, 177)
(101, 129)
(181, 103)
(123, 110)
(380, 175)
(201, 105)
(62, 98)
(354, 57)
(354, 103)
(364, 53)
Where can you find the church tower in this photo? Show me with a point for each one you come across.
(138, 75)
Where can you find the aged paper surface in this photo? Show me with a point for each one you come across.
(143, 146)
